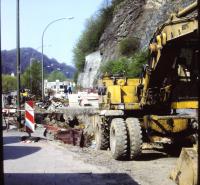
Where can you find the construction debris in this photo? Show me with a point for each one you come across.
(27, 139)
(50, 132)
(71, 136)
(71, 124)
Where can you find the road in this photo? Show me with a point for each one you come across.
(52, 163)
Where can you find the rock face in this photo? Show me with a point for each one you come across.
(92, 64)
(132, 18)
(136, 18)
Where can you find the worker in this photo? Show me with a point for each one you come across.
(9, 99)
(70, 89)
(102, 89)
(24, 95)
(66, 91)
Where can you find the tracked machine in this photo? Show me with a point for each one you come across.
(160, 106)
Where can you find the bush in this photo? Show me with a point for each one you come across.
(128, 46)
(130, 67)
(115, 66)
(136, 63)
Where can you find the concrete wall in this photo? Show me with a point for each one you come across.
(92, 64)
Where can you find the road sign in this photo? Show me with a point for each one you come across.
(29, 116)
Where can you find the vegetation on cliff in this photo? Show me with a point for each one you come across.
(128, 66)
(89, 40)
(128, 46)
(131, 60)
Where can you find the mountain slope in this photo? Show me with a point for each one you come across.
(9, 62)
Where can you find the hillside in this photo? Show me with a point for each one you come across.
(9, 62)
(136, 18)
(130, 19)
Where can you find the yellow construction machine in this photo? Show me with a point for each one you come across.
(162, 105)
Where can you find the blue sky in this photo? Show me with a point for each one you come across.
(60, 37)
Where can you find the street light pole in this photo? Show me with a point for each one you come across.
(43, 52)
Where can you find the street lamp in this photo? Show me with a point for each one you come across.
(69, 18)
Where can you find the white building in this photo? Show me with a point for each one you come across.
(57, 87)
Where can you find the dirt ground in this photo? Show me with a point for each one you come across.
(153, 167)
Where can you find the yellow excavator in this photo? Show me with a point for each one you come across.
(162, 105)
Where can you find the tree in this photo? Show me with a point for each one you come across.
(56, 75)
(9, 83)
(75, 78)
(32, 77)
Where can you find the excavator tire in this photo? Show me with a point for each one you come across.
(118, 139)
(135, 137)
(102, 135)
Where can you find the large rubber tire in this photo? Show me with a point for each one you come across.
(118, 139)
(102, 135)
(135, 137)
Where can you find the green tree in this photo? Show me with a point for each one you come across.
(79, 59)
(56, 75)
(75, 77)
(9, 83)
(32, 78)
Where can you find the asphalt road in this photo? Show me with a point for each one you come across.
(45, 163)
(51, 163)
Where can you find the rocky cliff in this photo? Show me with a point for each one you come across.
(133, 18)
(136, 18)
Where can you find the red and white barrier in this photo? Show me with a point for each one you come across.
(29, 116)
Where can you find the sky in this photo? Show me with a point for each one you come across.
(60, 37)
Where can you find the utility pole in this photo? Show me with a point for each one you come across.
(18, 62)
(1, 123)
(198, 146)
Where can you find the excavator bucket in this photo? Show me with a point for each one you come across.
(185, 171)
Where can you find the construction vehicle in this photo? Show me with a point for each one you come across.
(162, 105)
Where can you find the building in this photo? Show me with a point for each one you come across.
(57, 87)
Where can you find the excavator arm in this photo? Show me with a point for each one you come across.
(173, 60)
